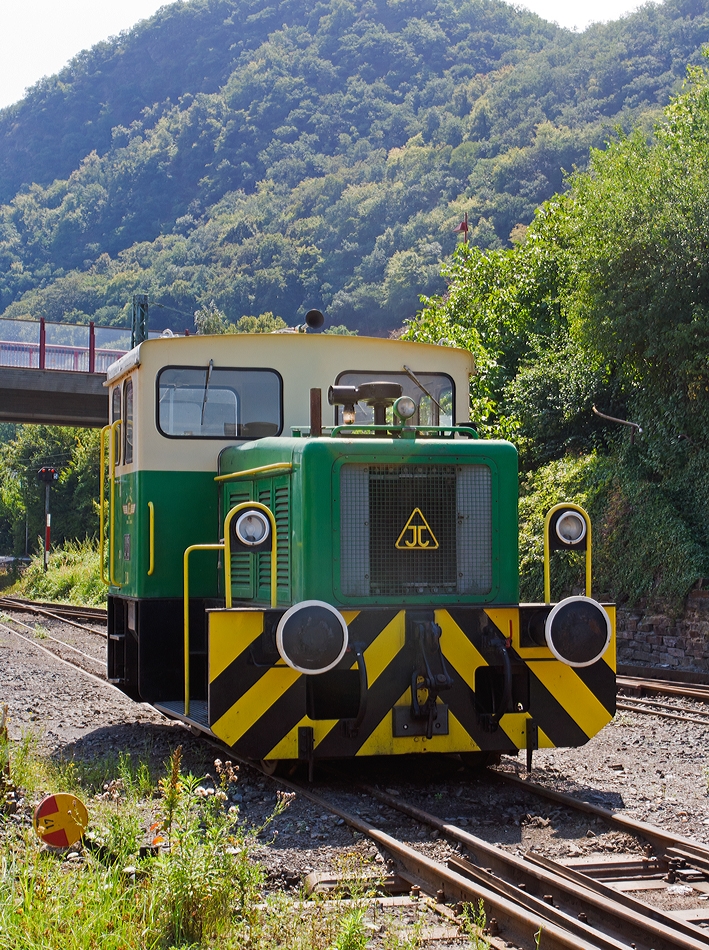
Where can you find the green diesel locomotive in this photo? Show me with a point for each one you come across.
(312, 555)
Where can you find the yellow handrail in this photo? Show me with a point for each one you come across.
(102, 503)
(186, 609)
(115, 426)
(227, 549)
(151, 535)
(262, 469)
(565, 506)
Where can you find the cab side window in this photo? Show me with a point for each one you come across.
(115, 416)
(127, 422)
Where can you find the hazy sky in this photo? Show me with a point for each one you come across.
(37, 37)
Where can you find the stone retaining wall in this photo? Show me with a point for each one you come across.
(656, 640)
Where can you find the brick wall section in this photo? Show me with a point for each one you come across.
(645, 639)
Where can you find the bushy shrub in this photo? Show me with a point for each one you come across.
(644, 549)
(73, 575)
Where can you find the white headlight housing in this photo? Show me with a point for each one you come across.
(252, 528)
(570, 527)
(405, 407)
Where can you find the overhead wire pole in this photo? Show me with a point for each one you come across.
(139, 329)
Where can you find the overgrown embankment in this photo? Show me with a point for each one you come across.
(73, 575)
(604, 302)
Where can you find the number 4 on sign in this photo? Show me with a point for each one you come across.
(60, 820)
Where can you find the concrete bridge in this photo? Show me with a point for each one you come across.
(52, 396)
(53, 373)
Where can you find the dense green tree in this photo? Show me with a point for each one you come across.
(211, 320)
(604, 299)
(73, 499)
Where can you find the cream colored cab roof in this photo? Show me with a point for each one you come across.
(304, 361)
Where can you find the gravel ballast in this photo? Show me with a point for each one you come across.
(651, 769)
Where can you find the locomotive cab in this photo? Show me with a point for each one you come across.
(310, 578)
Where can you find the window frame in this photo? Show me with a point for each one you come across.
(219, 438)
(117, 446)
(127, 421)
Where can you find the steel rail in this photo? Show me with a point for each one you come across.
(545, 907)
(621, 920)
(53, 616)
(665, 687)
(632, 707)
(60, 659)
(521, 924)
(99, 614)
(48, 636)
(74, 666)
(670, 844)
(664, 705)
(621, 897)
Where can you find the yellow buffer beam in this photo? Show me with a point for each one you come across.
(230, 633)
(254, 704)
(458, 648)
(572, 693)
(377, 657)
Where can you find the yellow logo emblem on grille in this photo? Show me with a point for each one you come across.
(417, 535)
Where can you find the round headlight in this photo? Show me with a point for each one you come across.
(312, 637)
(578, 631)
(570, 527)
(252, 528)
(405, 407)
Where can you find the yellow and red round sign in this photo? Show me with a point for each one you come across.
(60, 820)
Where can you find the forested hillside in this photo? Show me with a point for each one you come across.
(604, 302)
(278, 157)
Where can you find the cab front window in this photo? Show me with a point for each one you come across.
(208, 402)
(433, 394)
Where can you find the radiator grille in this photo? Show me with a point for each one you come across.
(281, 509)
(415, 529)
(241, 578)
(277, 497)
(251, 574)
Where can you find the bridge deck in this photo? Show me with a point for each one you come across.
(53, 397)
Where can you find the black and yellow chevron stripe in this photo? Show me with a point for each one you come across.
(258, 709)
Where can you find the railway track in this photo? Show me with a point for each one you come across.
(634, 698)
(638, 684)
(670, 845)
(522, 894)
(577, 905)
(66, 612)
(37, 637)
(663, 710)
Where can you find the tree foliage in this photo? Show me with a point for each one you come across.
(211, 320)
(604, 300)
(73, 499)
(280, 157)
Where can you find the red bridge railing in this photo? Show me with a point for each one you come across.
(78, 348)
